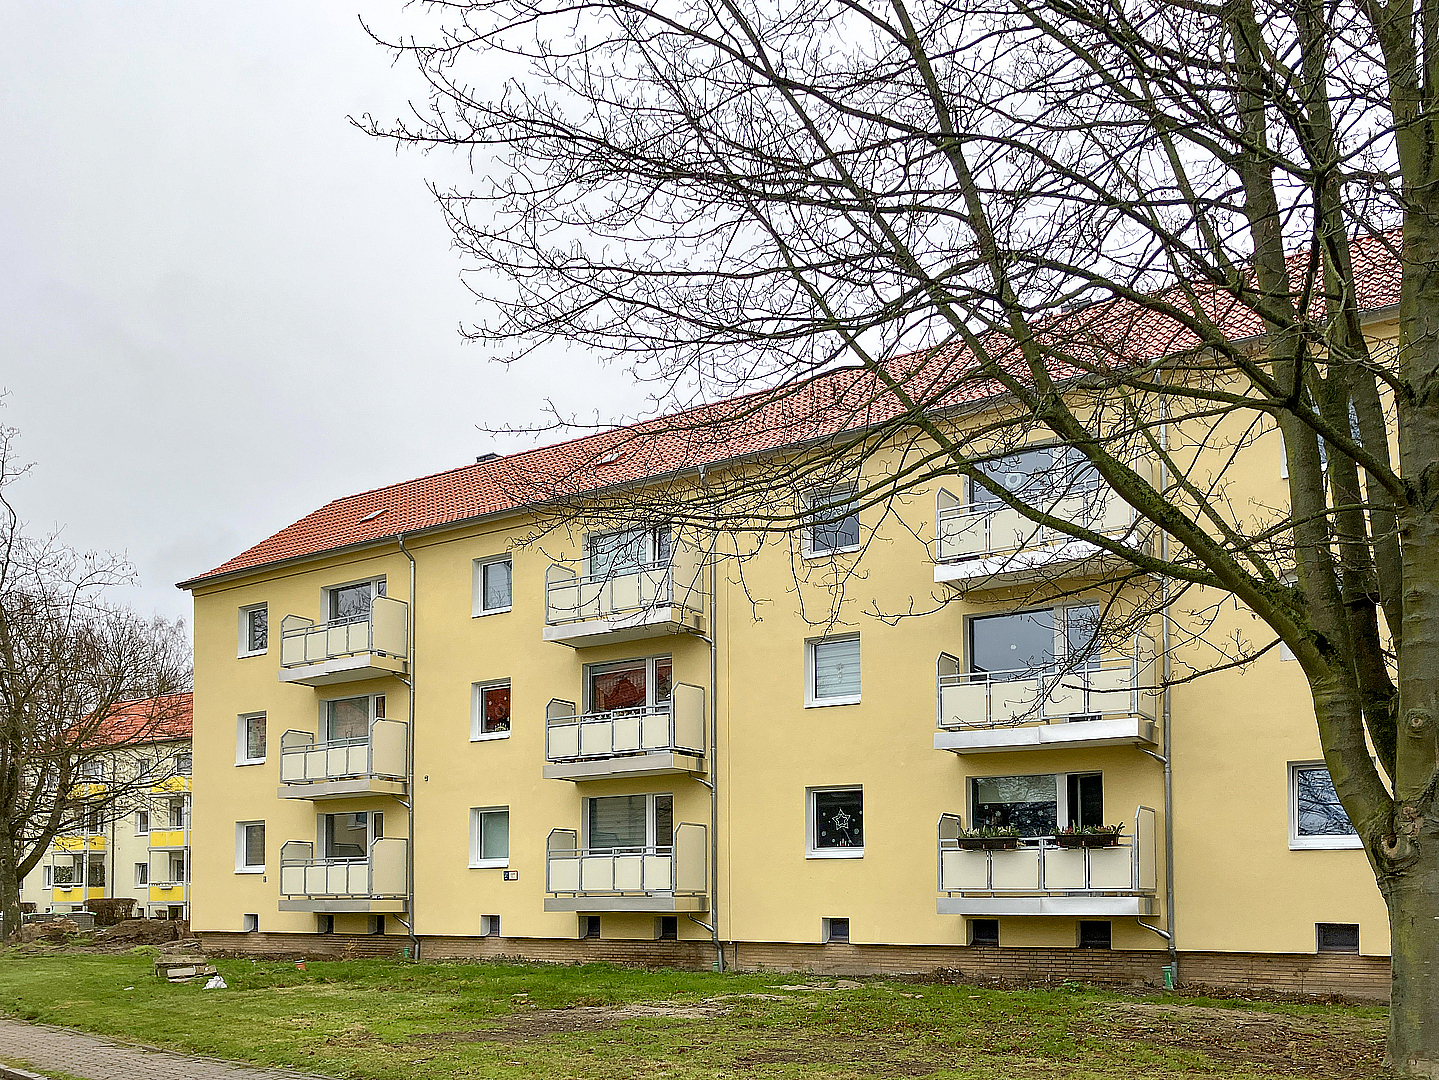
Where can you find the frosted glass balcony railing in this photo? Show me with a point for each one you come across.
(342, 650)
(626, 597)
(679, 869)
(303, 761)
(380, 874)
(1039, 867)
(677, 726)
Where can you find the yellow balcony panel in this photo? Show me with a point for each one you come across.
(625, 604)
(346, 650)
(172, 893)
(345, 768)
(659, 740)
(670, 878)
(373, 883)
(1041, 878)
(74, 894)
(171, 785)
(87, 791)
(95, 842)
(169, 838)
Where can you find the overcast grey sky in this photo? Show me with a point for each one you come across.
(220, 305)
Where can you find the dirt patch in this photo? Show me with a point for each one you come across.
(526, 1026)
(875, 1058)
(1332, 1049)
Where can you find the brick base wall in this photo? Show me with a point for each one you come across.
(1359, 978)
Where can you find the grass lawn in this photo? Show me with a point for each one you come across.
(387, 1019)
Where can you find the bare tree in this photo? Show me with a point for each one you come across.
(932, 229)
(85, 687)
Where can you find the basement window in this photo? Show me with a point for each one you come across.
(984, 931)
(836, 930)
(1094, 934)
(667, 928)
(489, 926)
(1336, 937)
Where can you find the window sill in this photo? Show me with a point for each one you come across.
(489, 736)
(250, 761)
(830, 553)
(247, 655)
(249, 869)
(835, 853)
(492, 611)
(490, 864)
(824, 703)
(1326, 843)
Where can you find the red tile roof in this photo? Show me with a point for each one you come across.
(151, 720)
(827, 404)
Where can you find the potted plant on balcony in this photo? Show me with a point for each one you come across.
(1088, 836)
(989, 838)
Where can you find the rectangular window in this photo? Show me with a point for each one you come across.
(1037, 805)
(254, 629)
(345, 836)
(489, 837)
(489, 926)
(836, 930)
(494, 586)
(250, 743)
(48, 877)
(1336, 937)
(249, 847)
(177, 868)
(1316, 818)
(984, 931)
(142, 873)
(589, 926)
(667, 928)
(832, 671)
(836, 823)
(491, 711)
(97, 872)
(250, 923)
(626, 822)
(184, 763)
(142, 822)
(1094, 934)
(64, 872)
(351, 603)
(1038, 477)
(626, 551)
(176, 808)
(347, 720)
(832, 525)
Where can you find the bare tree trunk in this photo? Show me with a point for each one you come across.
(9, 892)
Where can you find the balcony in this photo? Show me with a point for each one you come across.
(1041, 878)
(346, 650)
(658, 879)
(169, 839)
(374, 883)
(74, 894)
(174, 784)
(1113, 703)
(655, 741)
(988, 546)
(344, 768)
(89, 842)
(625, 604)
(168, 892)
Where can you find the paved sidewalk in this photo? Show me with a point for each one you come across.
(97, 1058)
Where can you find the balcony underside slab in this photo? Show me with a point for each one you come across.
(344, 669)
(1099, 906)
(327, 904)
(352, 787)
(657, 763)
(984, 572)
(660, 903)
(631, 626)
(1124, 731)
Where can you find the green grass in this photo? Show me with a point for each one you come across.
(384, 1019)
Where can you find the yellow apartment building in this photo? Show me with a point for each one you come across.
(135, 844)
(480, 735)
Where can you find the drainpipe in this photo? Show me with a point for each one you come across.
(409, 801)
(712, 782)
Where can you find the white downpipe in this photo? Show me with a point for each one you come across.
(410, 766)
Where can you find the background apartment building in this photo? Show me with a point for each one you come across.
(420, 728)
(137, 844)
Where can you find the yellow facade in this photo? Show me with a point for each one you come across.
(1241, 884)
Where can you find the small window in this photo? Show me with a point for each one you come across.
(249, 847)
(494, 586)
(491, 719)
(184, 764)
(250, 923)
(489, 926)
(589, 926)
(1337, 937)
(254, 629)
(1093, 934)
(142, 873)
(250, 742)
(836, 823)
(984, 931)
(667, 928)
(832, 671)
(324, 924)
(1316, 818)
(831, 523)
(48, 877)
(351, 603)
(142, 822)
(836, 930)
(489, 837)
(377, 924)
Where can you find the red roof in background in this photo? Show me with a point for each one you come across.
(151, 720)
(828, 404)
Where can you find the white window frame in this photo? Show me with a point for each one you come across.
(189, 756)
(1312, 843)
(142, 830)
(241, 867)
(489, 926)
(377, 588)
(476, 819)
(142, 875)
(812, 852)
(244, 631)
(652, 839)
(478, 608)
(476, 696)
(242, 741)
(807, 503)
(47, 877)
(651, 683)
(810, 700)
(370, 717)
(1061, 790)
